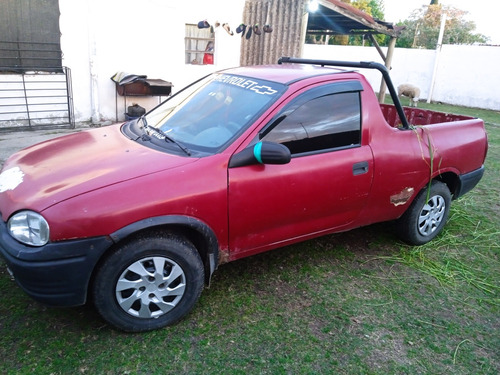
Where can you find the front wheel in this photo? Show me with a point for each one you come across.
(148, 283)
(426, 216)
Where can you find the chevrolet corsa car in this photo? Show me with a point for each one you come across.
(136, 217)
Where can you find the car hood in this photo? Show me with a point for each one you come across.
(53, 171)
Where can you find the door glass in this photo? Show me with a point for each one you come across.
(322, 123)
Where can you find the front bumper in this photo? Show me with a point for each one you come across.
(56, 274)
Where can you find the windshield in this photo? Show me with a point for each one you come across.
(207, 115)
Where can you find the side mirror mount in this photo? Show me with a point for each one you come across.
(261, 153)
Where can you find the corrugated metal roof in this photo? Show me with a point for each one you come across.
(336, 17)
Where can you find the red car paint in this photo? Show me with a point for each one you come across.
(95, 183)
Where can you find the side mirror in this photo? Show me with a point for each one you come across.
(261, 153)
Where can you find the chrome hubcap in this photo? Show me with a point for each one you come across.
(150, 287)
(431, 216)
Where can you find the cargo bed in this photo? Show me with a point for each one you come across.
(417, 116)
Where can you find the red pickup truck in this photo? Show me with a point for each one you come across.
(136, 217)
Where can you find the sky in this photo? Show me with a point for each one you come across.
(484, 13)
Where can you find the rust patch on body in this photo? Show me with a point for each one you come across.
(403, 197)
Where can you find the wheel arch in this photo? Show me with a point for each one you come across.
(408, 225)
(198, 232)
(451, 180)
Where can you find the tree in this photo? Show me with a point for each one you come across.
(422, 28)
(374, 8)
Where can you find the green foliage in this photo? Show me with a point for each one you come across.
(422, 28)
(374, 8)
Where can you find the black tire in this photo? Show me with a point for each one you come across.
(130, 293)
(426, 216)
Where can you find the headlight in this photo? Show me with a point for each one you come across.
(29, 228)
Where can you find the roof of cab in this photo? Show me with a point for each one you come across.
(284, 73)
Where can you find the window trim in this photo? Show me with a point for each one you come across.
(325, 150)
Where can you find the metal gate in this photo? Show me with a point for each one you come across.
(35, 90)
(36, 99)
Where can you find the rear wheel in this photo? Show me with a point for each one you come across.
(426, 216)
(148, 283)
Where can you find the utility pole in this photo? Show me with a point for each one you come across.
(436, 59)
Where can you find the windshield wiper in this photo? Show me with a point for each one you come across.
(165, 136)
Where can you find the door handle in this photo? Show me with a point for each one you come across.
(360, 168)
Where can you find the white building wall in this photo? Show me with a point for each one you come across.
(469, 76)
(102, 37)
(466, 75)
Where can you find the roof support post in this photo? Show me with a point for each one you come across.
(388, 62)
(377, 47)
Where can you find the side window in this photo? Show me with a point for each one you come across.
(322, 123)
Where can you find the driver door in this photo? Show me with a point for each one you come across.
(323, 188)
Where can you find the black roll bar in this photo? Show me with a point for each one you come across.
(355, 64)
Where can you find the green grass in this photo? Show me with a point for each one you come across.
(360, 302)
